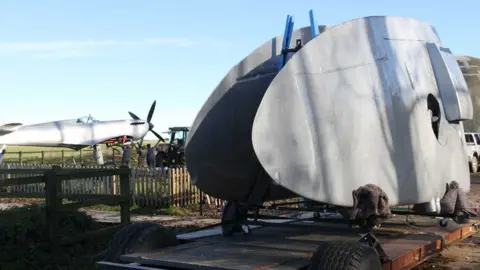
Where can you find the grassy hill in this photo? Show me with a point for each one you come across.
(471, 71)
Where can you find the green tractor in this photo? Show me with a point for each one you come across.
(173, 152)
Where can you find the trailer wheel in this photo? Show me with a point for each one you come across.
(474, 165)
(138, 237)
(345, 255)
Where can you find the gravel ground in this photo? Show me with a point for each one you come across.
(463, 255)
(5, 206)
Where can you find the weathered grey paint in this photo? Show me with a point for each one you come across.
(351, 109)
(219, 151)
(348, 109)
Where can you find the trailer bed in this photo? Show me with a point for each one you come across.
(290, 245)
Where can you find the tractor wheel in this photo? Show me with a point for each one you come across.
(345, 255)
(474, 165)
(138, 237)
(181, 159)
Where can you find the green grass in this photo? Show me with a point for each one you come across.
(24, 243)
(53, 155)
(150, 211)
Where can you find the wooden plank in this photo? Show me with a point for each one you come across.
(151, 190)
(181, 178)
(170, 188)
(125, 192)
(176, 185)
(89, 171)
(83, 174)
(19, 171)
(175, 188)
(191, 189)
(21, 181)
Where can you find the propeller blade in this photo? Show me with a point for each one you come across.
(134, 116)
(158, 135)
(152, 109)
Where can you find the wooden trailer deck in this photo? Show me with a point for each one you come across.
(290, 245)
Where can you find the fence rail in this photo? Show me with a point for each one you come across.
(54, 179)
(148, 187)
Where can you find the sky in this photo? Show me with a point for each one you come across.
(67, 59)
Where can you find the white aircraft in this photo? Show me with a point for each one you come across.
(80, 133)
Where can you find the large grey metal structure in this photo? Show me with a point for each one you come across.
(375, 100)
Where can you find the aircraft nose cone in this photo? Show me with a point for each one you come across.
(150, 125)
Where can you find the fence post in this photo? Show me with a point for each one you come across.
(113, 185)
(125, 193)
(43, 157)
(20, 157)
(173, 186)
(8, 177)
(51, 203)
(201, 203)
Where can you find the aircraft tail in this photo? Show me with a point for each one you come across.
(9, 128)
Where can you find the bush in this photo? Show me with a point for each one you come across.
(24, 240)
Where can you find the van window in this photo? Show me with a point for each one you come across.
(477, 137)
(469, 138)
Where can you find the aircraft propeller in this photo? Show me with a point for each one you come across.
(150, 125)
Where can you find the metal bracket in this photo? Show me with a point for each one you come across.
(234, 219)
(370, 240)
(298, 46)
(475, 226)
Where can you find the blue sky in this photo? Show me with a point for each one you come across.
(66, 59)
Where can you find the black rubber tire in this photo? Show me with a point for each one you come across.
(138, 237)
(344, 255)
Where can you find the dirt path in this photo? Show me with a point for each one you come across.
(180, 224)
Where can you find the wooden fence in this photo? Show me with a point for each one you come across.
(148, 187)
(54, 180)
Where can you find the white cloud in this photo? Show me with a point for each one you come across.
(78, 48)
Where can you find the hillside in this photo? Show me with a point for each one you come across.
(471, 70)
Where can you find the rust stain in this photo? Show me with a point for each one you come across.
(419, 250)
